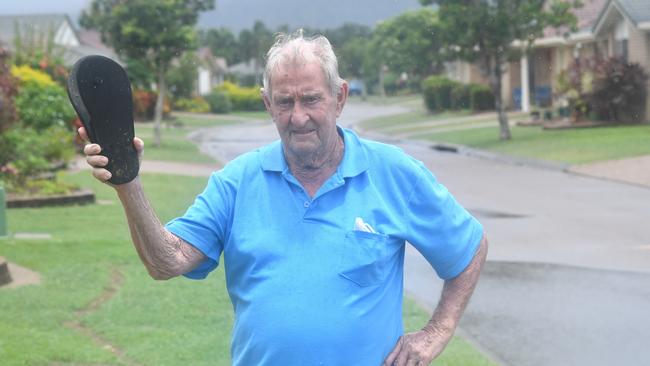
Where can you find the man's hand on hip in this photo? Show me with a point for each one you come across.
(417, 348)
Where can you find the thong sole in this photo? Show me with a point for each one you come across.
(100, 93)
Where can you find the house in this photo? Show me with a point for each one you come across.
(57, 28)
(212, 71)
(606, 28)
(39, 30)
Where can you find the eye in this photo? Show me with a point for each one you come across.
(311, 99)
(284, 102)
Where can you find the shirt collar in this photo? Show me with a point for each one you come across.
(354, 160)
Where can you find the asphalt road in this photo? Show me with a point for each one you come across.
(568, 274)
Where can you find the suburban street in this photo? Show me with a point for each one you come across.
(568, 275)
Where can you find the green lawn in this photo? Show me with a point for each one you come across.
(574, 146)
(418, 115)
(177, 322)
(257, 115)
(571, 146)
(409, 99)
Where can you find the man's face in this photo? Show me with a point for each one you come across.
(304, 109)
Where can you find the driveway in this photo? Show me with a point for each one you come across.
(568, 274)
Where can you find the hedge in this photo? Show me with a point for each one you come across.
(437, 92)
(242, 98)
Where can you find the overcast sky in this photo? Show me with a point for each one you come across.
(240, 14)
(71, 7)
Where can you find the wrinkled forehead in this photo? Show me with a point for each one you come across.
(293, 58)
(298, 76)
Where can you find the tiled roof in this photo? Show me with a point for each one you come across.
(586, 15)
(636, 10)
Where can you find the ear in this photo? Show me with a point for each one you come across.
(342, 97)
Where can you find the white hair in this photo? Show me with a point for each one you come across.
(296, 47)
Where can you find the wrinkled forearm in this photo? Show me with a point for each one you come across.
(455, 296)
(163, 254)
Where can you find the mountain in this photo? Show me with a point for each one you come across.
(321, 14)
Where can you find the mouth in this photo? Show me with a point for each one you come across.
(302, 132)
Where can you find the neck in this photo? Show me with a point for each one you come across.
(313, 170)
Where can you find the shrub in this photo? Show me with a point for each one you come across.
(41, 136)
(242, 98)
(28, 75)
(437, 92)
(43, 106)
(219, 102)
(144, 104)
(619, 91)
(194, 105)
(575, 86)
(27, 152)
(481, 97)
(38, 50)
(460, 96)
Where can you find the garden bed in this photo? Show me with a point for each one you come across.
(78, 197)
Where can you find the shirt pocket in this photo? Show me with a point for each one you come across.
(367, 258)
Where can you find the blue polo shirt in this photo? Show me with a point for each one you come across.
(306, 287)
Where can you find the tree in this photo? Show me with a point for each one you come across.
(222, 42)
(410, 43)
(253, 44)
(182, 75)
(351, 57)
(484, 31)
(348, 31)
(153, 32)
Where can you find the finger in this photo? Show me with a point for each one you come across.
(402, 358)
(97, 160)
(92, 149)
(102, 175)
(138, 144)
(413, 362)
(83, 134)
(393, 354)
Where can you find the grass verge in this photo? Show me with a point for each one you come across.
(177, 322)
(574, 146)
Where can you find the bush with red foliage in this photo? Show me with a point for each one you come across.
(619, 91)
(8, 91)
(144, 105)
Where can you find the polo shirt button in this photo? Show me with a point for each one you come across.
(306, 204)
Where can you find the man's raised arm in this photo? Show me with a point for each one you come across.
(164, 254)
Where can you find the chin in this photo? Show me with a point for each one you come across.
(303, 148)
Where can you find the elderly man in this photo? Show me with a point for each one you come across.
(312, 229)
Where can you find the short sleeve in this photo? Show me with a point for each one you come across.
(439, 227)
(206, 224)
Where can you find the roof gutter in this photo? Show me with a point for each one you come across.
(583, 36)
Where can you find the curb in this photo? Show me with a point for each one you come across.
(502, 158)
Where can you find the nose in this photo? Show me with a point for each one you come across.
(299, 115)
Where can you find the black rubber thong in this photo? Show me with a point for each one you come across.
(100, 93)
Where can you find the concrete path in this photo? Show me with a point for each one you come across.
(568, 277)
(634, 170)
(164, 167)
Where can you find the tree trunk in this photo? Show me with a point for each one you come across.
(382, 89)
(504, 127)
(158, 114)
